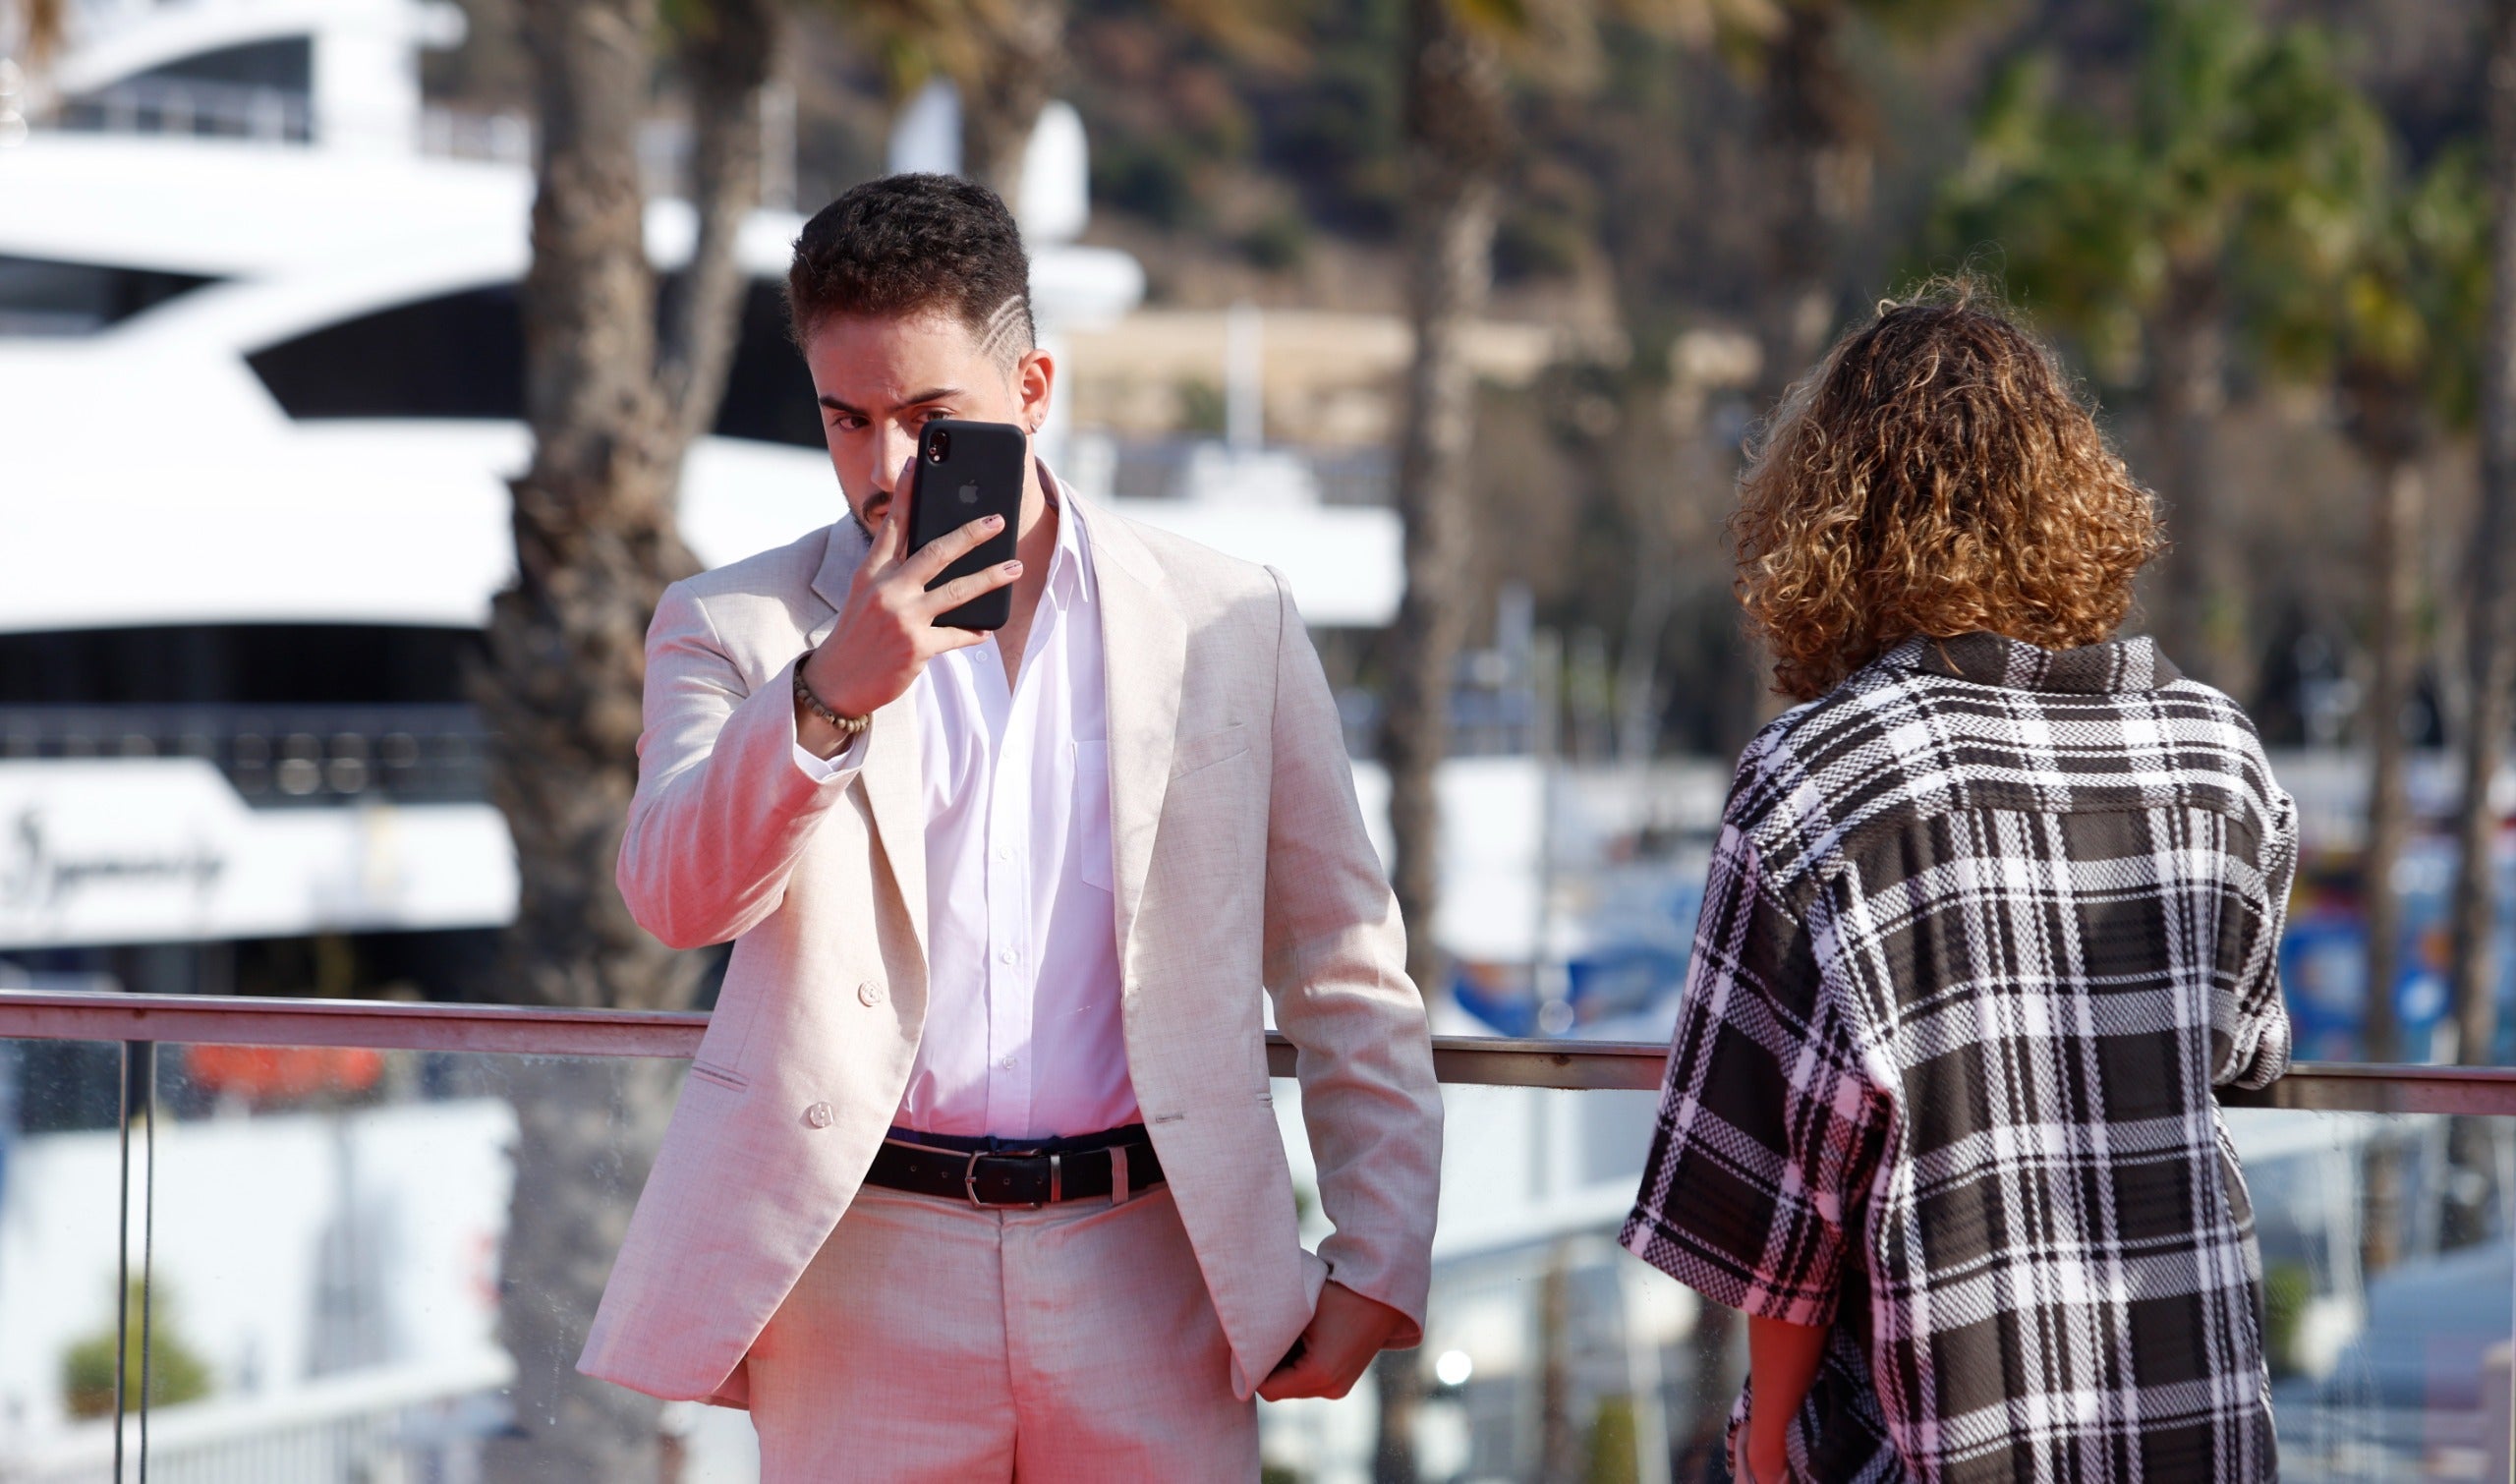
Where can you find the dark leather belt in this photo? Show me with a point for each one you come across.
(1014, 1172)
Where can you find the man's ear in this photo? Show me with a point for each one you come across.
(1034, 379)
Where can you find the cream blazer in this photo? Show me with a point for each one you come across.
(1240, 862)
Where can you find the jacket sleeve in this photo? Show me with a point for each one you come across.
(1335, 967)
(2253, 1036)
(723, 810)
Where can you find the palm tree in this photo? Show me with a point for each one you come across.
(1004, 60)
(2489, 598)
(1457, 134)
(614, 402)
(2131, 233)
(35, 27)
(30, 32)
(2389, 323)
(2394, 329)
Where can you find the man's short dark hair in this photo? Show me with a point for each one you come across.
(915, 244)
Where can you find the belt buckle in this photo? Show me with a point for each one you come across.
(970, 1178)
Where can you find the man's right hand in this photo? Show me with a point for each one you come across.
(885, 631)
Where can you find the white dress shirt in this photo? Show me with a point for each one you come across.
(1023, 1037)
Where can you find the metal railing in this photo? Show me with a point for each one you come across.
(276, 755)
(194, 106)
(1481, 1061)
(197, 1440)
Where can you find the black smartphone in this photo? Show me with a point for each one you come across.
(966, 471)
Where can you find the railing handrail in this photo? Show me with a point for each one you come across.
(1481, 1061)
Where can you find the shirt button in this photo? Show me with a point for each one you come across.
(1004, 852)
(1009, 956)
(1006, 1063)
(869, 993)
(820, 1116)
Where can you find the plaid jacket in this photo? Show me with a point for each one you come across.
(1983, 927)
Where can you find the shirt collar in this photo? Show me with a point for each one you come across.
(1070, 564)
(1985, 658)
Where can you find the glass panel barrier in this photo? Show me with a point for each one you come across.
(2389, 1289)
(66, 1303)
(342, 1285)
(1548, 1352)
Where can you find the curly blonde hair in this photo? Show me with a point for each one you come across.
(1936, 475)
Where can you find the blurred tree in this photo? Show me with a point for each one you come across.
(30, 32)
(2239, 145)
(2489, 598)
(35, 27)
(614, 395)
(1457, 129)
(176, 1371)
(2387, 310)
(1821, 129)
(1004, 60)
(1458, 132)
(2395, 330)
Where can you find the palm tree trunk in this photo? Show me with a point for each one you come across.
(1455, 125)
(2491, 630)
(1021, 60)
(1558, 1432)
(2202, 625)
(727, 55)
(595, 544)
(2395, 561)
(1818, 131)
(2489, 653)
(2394, 552)
(1819, 126)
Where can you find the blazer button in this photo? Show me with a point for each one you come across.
(820, 1116)
(868, 993)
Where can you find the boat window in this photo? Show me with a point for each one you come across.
(458, 355)
(261, 89)
(41, 296)
(462, 356)
(286, 64)
(240, 665)
(769, 394)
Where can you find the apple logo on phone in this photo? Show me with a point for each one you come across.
(969, 494)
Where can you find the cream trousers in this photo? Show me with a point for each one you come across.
(931, 1339)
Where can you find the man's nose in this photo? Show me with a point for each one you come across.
(892, 451)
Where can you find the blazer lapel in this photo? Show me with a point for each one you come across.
(891, 775)
(1144, 646)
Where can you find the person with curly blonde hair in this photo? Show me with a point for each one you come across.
(1990, 915)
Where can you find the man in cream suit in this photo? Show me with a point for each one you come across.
(976, 1174)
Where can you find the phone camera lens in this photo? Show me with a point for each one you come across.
(938, 446)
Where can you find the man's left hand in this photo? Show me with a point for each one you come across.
(1347, 1329)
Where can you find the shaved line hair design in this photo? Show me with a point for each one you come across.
(1007, 332)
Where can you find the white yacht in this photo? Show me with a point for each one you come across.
(259, 390)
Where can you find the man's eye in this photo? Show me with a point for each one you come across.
(847, 424)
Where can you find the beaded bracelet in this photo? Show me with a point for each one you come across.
(848, 726)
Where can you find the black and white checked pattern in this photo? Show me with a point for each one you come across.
(1983, 927)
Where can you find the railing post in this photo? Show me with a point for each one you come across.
(2497, 1412)
(139, 1064)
